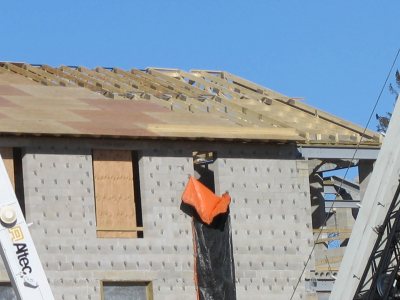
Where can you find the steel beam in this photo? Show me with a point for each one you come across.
(341, 204)
(330, 189)
(318, 285)
(338, 152)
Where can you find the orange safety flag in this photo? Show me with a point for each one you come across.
(207, 204)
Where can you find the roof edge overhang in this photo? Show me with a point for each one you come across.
(294, 139)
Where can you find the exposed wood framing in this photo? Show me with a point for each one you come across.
(219, 131)
(222, 94)
(21, 71)
(296, 104)
(329, 260)
(333, 230)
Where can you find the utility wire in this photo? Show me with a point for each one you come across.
(347, 170)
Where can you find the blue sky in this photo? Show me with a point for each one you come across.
(335, 54)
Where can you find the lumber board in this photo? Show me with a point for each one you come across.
(114, 193)
(25, 73)
(280, 115)
(126, 84)
(181, 85)
(143, 83)
(48, 76)
(78, 81)
(90, 79)
(323, 268)
(218, 93)
(332, 120)
(8, 160)
(330, 260)
(106, 81)
(253, 112)
(154, 82)
(116, 228)
(304, 107)
(333, 230)
(194, 105)
(172, 130)
(219, 82)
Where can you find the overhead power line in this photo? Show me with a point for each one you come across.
(348, 168)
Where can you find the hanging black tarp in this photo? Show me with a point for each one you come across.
(214, 265)
(212, 241)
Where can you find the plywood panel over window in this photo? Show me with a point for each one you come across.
(8, 159)
(115, 194)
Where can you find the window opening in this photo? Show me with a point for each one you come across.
(204, 168)
(19, 178)
(117, 194)
(12, 159)
(6, 291)
(127, 291)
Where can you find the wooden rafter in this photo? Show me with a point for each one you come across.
(301, 106)
(219, 93)
(26, 73)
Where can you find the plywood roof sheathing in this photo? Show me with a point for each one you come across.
(215, 95)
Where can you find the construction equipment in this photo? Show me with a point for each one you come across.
(17, 249)
(370, 266)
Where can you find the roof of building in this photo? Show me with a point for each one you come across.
(160, 103)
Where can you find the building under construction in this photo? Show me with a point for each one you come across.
(99, 159)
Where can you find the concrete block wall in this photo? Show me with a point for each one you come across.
(60, 202)
(271, 219)
(270, 216)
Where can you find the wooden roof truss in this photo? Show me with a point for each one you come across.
(199, 91)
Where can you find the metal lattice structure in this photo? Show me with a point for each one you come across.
(369, 269)
(384, 262)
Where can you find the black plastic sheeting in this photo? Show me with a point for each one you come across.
(215, 268)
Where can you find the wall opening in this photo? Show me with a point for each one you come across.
(204, 168)
(12, 159)
(127, 290)
(335, 201)
(137, 192)
(117, 194)
(19, 178)
(6, 291)
(212, 242)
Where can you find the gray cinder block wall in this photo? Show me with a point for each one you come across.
(270, 216)
(271, 219)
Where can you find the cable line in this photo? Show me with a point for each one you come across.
(347, 170)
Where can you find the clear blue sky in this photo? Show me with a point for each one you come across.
(335, 54)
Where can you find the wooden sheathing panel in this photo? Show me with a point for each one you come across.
(8, 159)
(114, 192)
(221, 94)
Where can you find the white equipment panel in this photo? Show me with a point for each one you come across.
(17, 249)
